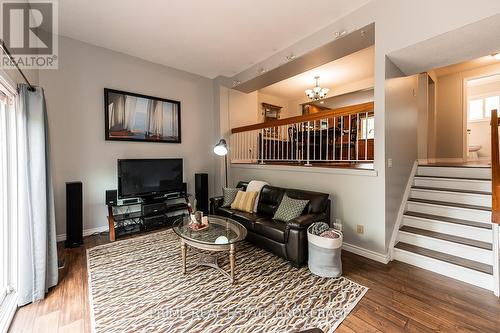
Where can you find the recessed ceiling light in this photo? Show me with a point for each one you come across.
(496, 56)
(322, 102)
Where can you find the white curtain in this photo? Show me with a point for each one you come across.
(37, 251)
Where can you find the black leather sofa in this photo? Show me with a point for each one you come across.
(287, 240)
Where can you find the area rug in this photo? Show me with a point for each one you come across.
(136, 285)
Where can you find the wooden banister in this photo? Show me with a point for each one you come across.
(495, 169)
(344, 111)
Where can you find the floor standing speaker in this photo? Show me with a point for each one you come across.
(74, 214)
(201, 191)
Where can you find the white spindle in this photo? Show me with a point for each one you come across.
(366, 136)
(341, 137)
(349, 140)
(357, 136)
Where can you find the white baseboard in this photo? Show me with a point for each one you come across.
(401, 211)
(86, 232)
(383, 258)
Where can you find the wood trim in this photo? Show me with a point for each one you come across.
(344, 111)
(495, 169)
(111, 222)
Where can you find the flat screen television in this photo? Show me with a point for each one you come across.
(148, 178)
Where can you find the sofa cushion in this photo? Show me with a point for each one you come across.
(317, 201)
(270, 228)
(269, 200)
(246, 219)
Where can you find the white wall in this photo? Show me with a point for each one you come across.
(75, 102)
(398, 24)
(246, 106)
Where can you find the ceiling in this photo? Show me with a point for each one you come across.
(209, 38)
(467, 65)
(468, 42)
(354, 67)
(484, 80)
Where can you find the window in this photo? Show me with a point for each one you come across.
(8, 188)
(480, 108)
(368, 128)
(3, 203)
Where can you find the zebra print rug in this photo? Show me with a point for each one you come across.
(136, 285)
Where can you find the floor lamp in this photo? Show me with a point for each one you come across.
(221, 150)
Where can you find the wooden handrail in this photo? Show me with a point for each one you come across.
(344, 111)
(495, 169)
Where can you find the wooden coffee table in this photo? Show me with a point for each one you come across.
(221, 235)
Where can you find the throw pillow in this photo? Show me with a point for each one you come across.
(289, 209)
(229, 196)
(244, 201)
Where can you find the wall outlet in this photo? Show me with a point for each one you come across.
(360, 229)
(337, 225)
(389, 162)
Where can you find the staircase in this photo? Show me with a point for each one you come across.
(446, 227)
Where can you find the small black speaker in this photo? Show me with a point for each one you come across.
(201, 191)
(184, 188)
(74, 214)
(111, 197)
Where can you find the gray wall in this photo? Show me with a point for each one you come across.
(401, 113)
(76, 118)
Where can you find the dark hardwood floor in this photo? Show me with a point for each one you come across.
(401, 298)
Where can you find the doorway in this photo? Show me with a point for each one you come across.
(482, 95)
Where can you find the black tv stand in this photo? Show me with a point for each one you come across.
(124, 221)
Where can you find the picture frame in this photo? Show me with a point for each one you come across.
(141, 118)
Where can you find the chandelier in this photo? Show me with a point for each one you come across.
(317, 92)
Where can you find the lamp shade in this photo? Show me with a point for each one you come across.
(221, 148)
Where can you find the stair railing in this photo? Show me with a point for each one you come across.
(495, 169)
(495, 198)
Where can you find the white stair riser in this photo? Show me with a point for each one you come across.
(480, 234)
(455, 197)
(458, 250)
(482, 173)
(454, 212)
(454, 184)
(473, 277)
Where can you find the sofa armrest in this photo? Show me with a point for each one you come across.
(215, 203)
(303, 221)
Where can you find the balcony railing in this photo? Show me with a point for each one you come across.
(343, 135)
